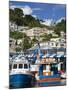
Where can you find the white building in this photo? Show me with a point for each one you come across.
(58, 42)
(55, 39)
(19, 41)
(37, 31)
(53, 44)
(12, 26)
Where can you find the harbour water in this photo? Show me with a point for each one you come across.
(62, 82)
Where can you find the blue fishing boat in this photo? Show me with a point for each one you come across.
(19, 74)
(47, 65)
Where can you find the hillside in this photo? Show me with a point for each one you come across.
(18, 17)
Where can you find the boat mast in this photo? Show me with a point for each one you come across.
(38, 42)
(23, 44)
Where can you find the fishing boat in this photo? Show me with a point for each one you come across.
(19, 74)
(46, 67)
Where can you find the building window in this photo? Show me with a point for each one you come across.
(56, 44)
(10, 45)
(62, 44)
(20, 65)
(25, 66)
(14, 66)
(52, 43)
(10, 40)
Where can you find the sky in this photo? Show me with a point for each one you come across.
(43, 11)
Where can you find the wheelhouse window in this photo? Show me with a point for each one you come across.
(44, 67)
(25, 66)
(10, 66)
(52, 44)
(14, 66)
(29, 65)
(20, 65)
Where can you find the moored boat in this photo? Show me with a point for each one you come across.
(20, 75)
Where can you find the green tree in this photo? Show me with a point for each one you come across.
(18, 49)
(46, 37)
(11, 15)
(34, 39)
(61, 26)
(30, 21)
(16, 16)
(17, 35)
(26, 43)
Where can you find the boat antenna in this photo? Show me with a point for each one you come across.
(23, 44)
(38, 42)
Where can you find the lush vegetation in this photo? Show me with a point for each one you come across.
(46, 37)
(18, 17)
(17, 35)
(60, 27)
(26, 41)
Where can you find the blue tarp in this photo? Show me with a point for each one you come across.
(38, 50)
(60, 55)
(53, 76)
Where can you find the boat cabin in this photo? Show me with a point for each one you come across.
(19, 65)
